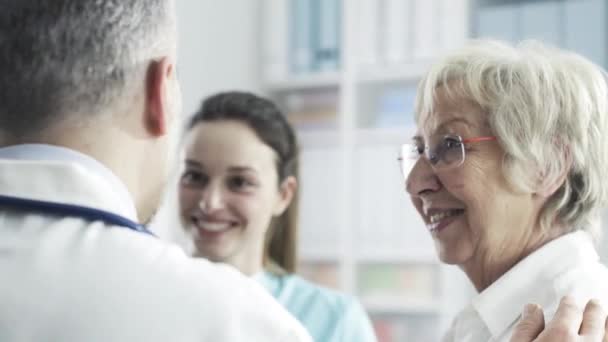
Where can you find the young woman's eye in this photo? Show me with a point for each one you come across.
(240, 183)
(190, 177)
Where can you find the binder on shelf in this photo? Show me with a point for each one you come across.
(426, 31)
(499, 22)
(327, 51)
(326, 274)
(454, 24)
(312, 110)
(396, 24)
(412, 329)
(319, 219)
(301, 35)
(275, 28)
(542, 21)
(395, 107)
(368, 32)
(585, 29)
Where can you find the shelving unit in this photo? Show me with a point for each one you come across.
(355, 215)
(299, 82)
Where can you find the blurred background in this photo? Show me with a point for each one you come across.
(345, 73)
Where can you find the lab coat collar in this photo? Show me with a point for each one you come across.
(61, 175)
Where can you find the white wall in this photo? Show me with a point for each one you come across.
(217, 47)
(217, 51)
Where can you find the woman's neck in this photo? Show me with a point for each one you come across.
(489, 265)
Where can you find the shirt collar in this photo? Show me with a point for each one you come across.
(51, 153)
(500, 305)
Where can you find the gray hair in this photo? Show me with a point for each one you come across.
(63, 57)
(548, 108)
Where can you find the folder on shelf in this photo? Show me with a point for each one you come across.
(319, 218)
(585, 29)
(301, 35)
(426, 31)
(275, 28)
(499, 22)
(395, 107)
(367, 32)
(542, 21)
(327, 51)
(454, 23)
(396, 23)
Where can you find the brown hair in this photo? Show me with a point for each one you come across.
(271, 126)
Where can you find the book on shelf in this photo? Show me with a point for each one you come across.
(301, 36)
(575, 25)
(411, 329)
(542, 21)
(426, 29)
(454, 17)
(398, 287)
(327, 49)
(275, 28)
(314, 34)
(312, 110)
(585, 29)
(395, 107)
(326, 274)
(396, 31)
(319, 219)
(498, 22)
(368, 27)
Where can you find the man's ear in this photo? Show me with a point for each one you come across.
(159, 78)
(287, 191)
(548, 186)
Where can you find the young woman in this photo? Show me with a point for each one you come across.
(238, 203)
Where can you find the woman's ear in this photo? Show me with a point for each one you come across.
(548, 186)
(287, 191)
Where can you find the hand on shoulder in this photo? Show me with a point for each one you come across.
(571, 323)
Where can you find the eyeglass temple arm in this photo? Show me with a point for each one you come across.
(471, 140)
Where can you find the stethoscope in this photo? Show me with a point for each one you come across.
(69, 210)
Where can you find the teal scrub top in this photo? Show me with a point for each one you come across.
(328, 316)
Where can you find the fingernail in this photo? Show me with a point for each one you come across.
(568, 300)
(529, 310)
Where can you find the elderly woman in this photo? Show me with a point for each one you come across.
(508, 175)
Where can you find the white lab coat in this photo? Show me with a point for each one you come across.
(66, 279)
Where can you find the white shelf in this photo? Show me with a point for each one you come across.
(398, 306)
(319, 256)
(322, 138)
(305, 81)
(390, 257)
(411, 72)
(384, 136)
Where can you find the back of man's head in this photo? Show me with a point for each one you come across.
(72, 59)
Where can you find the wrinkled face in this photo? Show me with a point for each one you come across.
(470, 210)
(228, 191)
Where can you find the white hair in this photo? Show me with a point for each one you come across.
(75, 56)
(548, 109)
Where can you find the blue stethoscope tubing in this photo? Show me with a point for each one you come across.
(70, 210)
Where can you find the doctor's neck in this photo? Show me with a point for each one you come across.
(127, 152)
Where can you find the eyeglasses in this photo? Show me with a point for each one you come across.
(443, 153)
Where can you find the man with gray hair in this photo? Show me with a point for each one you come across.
(88, 107)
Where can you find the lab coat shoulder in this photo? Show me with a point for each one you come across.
(213, 296)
